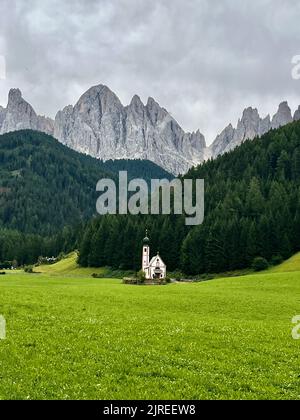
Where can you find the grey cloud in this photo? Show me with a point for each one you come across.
(203, 60)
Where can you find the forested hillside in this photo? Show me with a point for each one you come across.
(252, 208)
(45, 185)
(143, 169)
(48, 191)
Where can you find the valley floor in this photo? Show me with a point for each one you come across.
(74, 337)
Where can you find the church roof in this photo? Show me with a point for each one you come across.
(154, 260)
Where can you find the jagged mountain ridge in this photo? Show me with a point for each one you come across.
(250, 126)
(19, 115)
(100, 126)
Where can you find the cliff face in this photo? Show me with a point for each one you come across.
(19, 115)
(251, 125)
(100, 126)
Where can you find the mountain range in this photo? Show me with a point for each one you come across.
(100, 126)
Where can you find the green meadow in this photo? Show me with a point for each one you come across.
(70, 336)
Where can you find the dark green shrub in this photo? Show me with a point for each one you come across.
(141, 276)
(28, 269)
(6, 265)
(276, 260)
(260, 264)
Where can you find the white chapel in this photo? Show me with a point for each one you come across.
(156, 268)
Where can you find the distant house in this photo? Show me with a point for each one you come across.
(154, 268)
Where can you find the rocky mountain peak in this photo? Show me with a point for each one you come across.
(99, 96)
(223, 140)
(19, 115)
(198, 140)
(153, 106)
(14, 96)
(283, 115)
(250, 114)
(248, 126)
(101, 126)
(151, 103)
(136, 105)
(136, 101)
(155, 112)
(251, 125)
(297, 114)
(15, 100)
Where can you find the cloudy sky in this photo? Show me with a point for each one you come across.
(203, 60)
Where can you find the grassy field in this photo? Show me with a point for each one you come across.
(68, 266)
(71, 337)
(293, 264)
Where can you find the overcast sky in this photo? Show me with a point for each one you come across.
(203, 60)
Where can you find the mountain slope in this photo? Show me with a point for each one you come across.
(252, 208)
(45, 186)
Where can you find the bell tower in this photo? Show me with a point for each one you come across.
(146, 254)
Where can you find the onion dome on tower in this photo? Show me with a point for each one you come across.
(146, 240)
